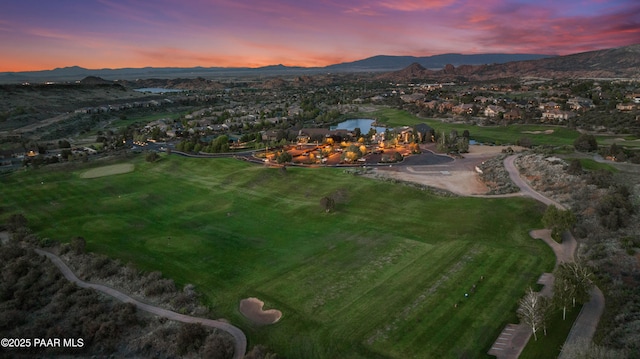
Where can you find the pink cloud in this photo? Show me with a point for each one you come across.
(415, 5)
(536, 29)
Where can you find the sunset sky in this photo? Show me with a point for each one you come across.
(39, 35)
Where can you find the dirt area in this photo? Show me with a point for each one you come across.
(459, 177)
(108, 170)
(251, 308)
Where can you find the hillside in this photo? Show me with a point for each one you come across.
(622, 62)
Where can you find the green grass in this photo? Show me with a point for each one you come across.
(630, 142)
(377, 278)
(592, 165)
(549, 346)
(499, 135)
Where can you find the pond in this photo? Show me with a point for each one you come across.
(363, 123)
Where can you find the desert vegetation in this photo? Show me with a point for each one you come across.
(36, 301)
(604, 200)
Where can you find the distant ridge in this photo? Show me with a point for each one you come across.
(390, 63)
(623, 62)
(381, 63)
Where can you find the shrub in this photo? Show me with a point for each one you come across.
(190, 338)
(586, 143)
(151, 157)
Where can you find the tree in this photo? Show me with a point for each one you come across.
(562, 289)
(78, 245)
(220, 144)
(327, 203)
(64, 144)
(462, 144)
(575, 167)
(283, 157)
(585, 143)
(524, 142)
(616, 208)
(580, 277)
(532, 311)
(558, 221)
(546, 308)
(151, 156)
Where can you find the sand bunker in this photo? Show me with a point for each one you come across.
(546, 132)
(252, 309)
(108, 170)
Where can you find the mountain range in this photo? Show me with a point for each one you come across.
(622, 62)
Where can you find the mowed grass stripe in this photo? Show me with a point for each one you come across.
(433, 321)
(453, 331)
(386, 300)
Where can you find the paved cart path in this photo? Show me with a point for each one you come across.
(240, 340)
(514, 337)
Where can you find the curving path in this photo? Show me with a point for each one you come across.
(514, 338)
(240, 340)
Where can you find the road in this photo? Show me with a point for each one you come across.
(240, 340)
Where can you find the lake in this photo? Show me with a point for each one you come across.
(363, 123)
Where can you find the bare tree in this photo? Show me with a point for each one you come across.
(563, 288)
(580, 276)
(532, 311)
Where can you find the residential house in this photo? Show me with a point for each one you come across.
(626, 106)
(482, 99)
(465, 108)
(270, 135)
(557, 115)
(431, 104)
(548, 106)
(305, 135)
(513, 115)
(635, 98)
(580, 103)
(412, 97)
(445, 106)
(493, 111)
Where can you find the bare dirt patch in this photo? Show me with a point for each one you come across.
(459, 177)
(108, 170)
(251, 308)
